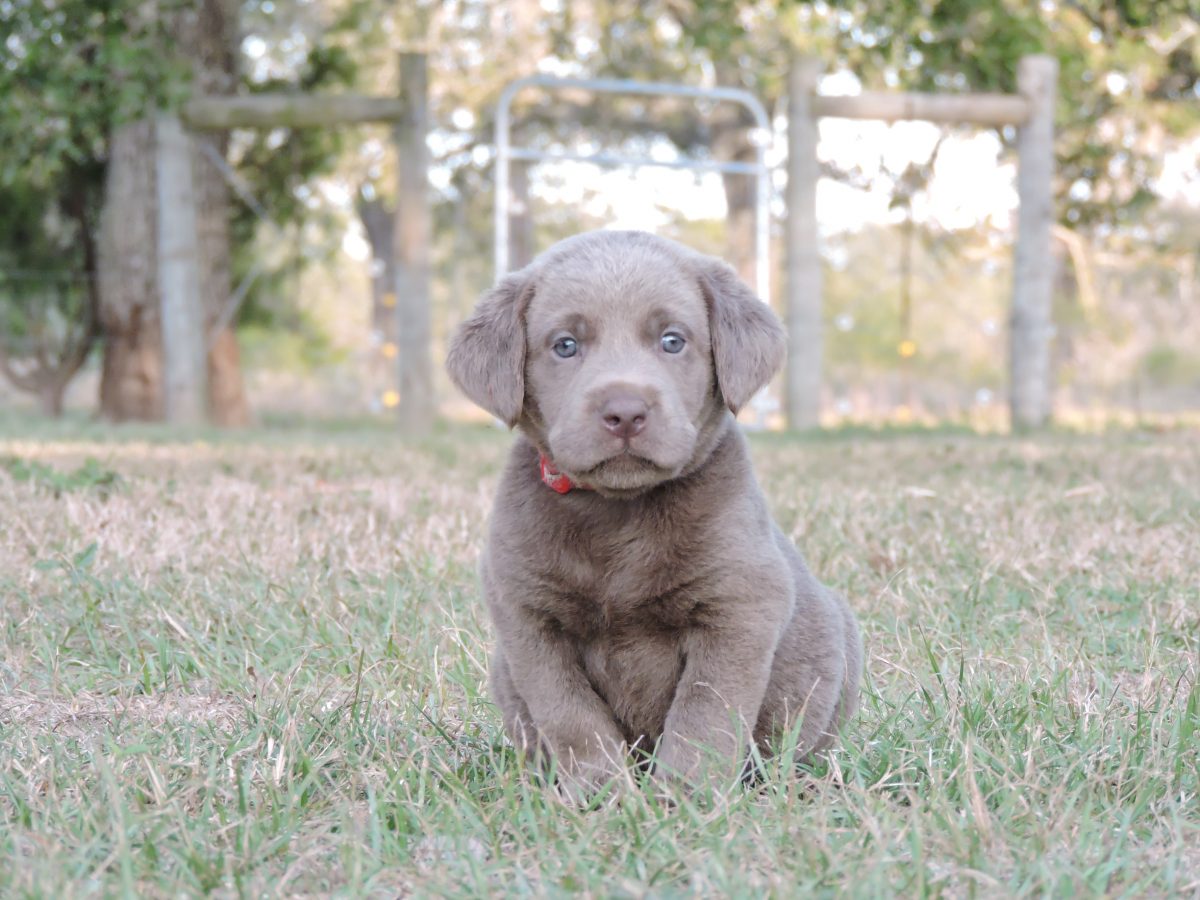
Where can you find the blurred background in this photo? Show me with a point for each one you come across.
(295, 239)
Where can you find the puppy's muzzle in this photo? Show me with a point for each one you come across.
(624, 409)
(624, 414)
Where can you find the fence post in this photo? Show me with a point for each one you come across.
(412, 237)
(803, 250)
(184, 339)
(1033, 269)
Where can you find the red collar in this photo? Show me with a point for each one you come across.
(554, 479)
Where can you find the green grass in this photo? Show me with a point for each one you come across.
(253, 664)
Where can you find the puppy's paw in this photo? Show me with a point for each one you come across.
(678, 762)
(689, 768)
(584, 790)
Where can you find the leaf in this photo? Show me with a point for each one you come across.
(83, 560)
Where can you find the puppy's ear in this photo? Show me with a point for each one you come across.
(487, 354)
(748, 342)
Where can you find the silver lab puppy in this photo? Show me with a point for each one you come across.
(642, 596)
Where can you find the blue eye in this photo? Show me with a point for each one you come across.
(566, 347)
(672, 342)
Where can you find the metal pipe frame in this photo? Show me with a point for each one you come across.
(505, 153)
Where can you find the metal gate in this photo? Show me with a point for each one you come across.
(505, 153)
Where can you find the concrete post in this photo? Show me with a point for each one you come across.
(185, 344)
(1033, 270)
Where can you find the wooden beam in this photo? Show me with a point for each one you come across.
(976, 109)
(413, 247)
(184, 338)
(288, 110)
(803, 249)
(1033, 268)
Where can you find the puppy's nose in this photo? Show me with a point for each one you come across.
(624, 415)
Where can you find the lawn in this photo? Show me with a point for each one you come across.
(253, 664)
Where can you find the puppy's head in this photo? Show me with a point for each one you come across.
(614, 351)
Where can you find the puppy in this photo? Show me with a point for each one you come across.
(642, 597)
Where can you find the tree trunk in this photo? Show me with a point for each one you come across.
(209, 35)
(731, 143)
(131, 385)
(740, 199)
(131, 375)
(379, 221)
(520, 219)
(51, 398)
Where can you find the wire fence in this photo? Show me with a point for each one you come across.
(1128, 358)
(915, 323)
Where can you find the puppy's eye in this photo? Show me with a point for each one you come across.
(566, 347)
(673, 342)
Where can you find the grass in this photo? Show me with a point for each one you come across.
(253, 664)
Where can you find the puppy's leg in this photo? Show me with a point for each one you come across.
(550, 708)
(854, 666)
(720, 693)
(518, 724)
(815, 673)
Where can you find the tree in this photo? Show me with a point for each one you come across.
(208, 34)
(74, 71)
(1124, 68)
(1130, 69)
(78, 85)
(131, 378)
(204, 34)
(48, 295)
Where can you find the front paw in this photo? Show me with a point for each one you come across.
(581, 789)
(678, 762)
(690, 764)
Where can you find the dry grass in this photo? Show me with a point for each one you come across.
(254, 665)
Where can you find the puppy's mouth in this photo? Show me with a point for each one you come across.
(625, 461)
(620, 467)
(625, 473)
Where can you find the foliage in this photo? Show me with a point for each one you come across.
(1114, 81)
(90, 475)
(1164, 364)
(70, 70)
(48, 289)
(300, 346)
(277, 168)
(73, 69)
(44, 268)
(1112, 131)
(1127, 69)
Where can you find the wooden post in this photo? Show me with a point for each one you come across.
(1033, 270)
(183, 320)
(413, 247)
(980, 109)
(220, 113)
(803, 250)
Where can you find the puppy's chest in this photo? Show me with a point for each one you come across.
(630, 586)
